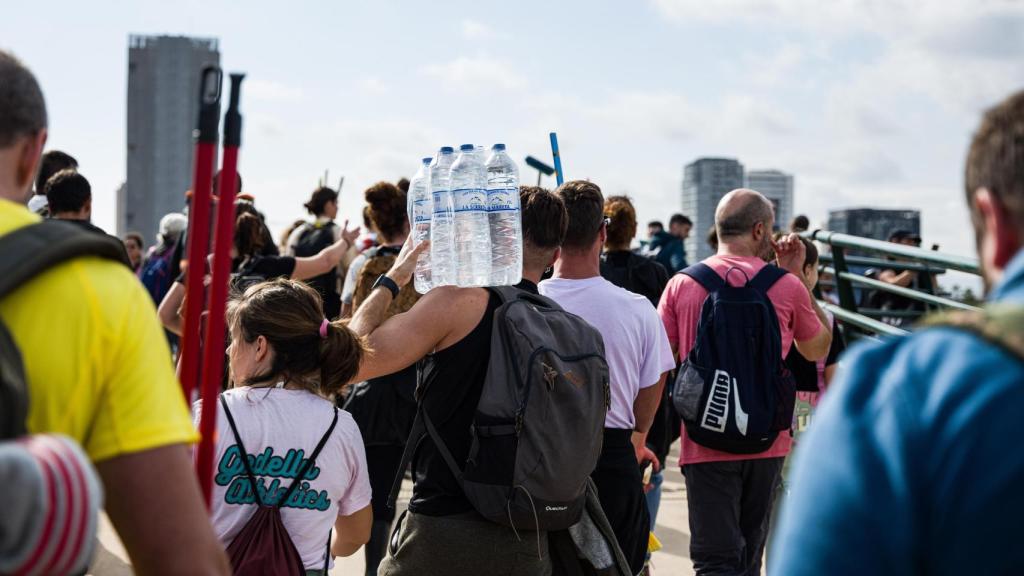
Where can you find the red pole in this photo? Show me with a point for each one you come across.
(199, 227)
(224, 229)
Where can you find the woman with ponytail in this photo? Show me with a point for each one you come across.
(287, 365)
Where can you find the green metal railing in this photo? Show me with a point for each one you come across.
(853, 312)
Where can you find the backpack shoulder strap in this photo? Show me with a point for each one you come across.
(998, 324)
(309, 461)
(766, 278)
(705, 276)
(505, 294)
(241, 447)
(33, 249)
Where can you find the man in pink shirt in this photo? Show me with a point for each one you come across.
(730, 495)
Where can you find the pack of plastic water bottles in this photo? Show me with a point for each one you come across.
(466, 203)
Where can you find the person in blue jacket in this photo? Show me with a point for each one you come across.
(666, 248)
(914, 464)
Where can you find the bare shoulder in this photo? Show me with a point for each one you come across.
(454, 297)
(458, 310)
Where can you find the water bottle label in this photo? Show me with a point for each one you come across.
(502, 200)
(470, 200)
(421, 211)
(439, 204)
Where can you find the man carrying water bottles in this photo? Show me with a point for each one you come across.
(450, 329)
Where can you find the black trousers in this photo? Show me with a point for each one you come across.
(730, 505)
(382, 464)
(621, 492)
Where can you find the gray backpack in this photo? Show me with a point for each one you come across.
(537, 431)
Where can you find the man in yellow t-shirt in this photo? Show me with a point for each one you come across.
(98, 368)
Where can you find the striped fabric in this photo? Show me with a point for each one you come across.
(50, 500)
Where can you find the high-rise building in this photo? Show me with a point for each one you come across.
(705, 181)
(163, 91)
(874, 223)
(778, 187)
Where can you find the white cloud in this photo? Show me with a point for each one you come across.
(475, 74)
(373, 85)
(476, 30)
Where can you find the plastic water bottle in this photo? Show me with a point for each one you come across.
(505, 219)
(472, 230)
(421, 210)
(442, 220)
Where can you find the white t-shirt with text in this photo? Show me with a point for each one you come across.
(280, 428)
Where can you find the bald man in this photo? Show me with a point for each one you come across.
(730, 495)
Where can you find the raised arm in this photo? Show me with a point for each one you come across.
(327, 258)
(405, 338)
(791, 252)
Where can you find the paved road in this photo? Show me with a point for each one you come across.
(672, 529)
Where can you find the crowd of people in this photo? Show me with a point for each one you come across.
(907, 468)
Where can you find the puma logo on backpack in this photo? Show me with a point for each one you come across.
(733, 391)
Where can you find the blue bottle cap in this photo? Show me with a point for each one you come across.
(466, 148)
(428, 160)
(498, 147)
(447, 150)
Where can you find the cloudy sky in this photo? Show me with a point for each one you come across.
(868, 103)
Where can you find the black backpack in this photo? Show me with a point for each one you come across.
(733, 391)
(315, 237)
(537, 431)
(639, 275)
(24, 254)
(263, 546)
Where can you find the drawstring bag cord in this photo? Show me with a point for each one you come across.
(536, 520)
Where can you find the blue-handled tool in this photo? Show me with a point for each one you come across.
(559, 178)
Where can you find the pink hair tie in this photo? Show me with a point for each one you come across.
(323, 328)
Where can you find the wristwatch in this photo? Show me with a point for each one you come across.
(385, 282)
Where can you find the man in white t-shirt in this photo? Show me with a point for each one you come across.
(638, 354)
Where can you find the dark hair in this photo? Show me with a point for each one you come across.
(367, 223)
(712, 238)
(216, 183)
(585, 205)
(545, 221)
(812, 252)
(288, 313)
(800, 224)
(67, 191)
(403, 185)
(22, 108)
(321, 196)
(622, 228)
(136, 237)
(248, 235)
(995, 160)
(656, 223)
(387, 209)
(52, 162)
(680, 219)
